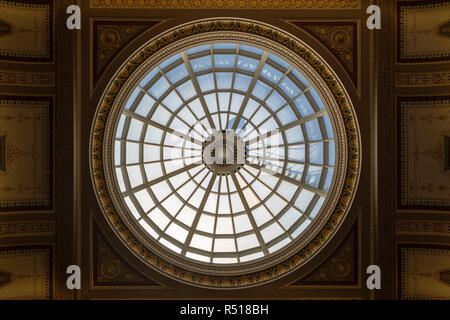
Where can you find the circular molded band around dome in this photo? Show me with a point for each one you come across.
(106, 121)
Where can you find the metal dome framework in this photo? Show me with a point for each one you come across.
(208, 213)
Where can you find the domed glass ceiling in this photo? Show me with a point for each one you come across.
(200, 199)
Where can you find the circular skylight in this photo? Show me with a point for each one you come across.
(224, 153)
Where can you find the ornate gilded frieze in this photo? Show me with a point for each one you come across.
(26, 228)
(422, 79)
(423, 227)
(219, 30)
(227, 4)
(27, 79)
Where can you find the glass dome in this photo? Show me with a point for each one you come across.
(247, 197)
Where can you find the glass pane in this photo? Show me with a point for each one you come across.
(297, 153)
(252, 256)
(290, 217)
(303, 106)
(313, 129)
(279, 245)
(328, 127)
(271, 74)
(316, 153)
(186, 216)
(294, 135)
(242, 82)
(247, 242)
(206, 82)
(159, 218)
(224, 226)
(300, 77)
(201, 242)
(170, 245)
(161, 190)
(176, 232)
(224, 100)
(172, 205)
(328, 180)
(225, 45)
(224, 245)
(246, 63)
(242, 223)
(148, 78)
(251, 49)
(201, 64)
(170, 61)
(132, 98)
(286, 115)
(132, 156)
(144, 199)
(300, 229)
(159, 88)
(198, 49)
(316, 98)
(198, 257)
(275, 101)
(172, 101)
(149, 229)
(211, 102)
(271, 232)
(134, 175)
(135, 130)
(314, 174)
(287, 190)
(186, 90)
(145, 105)
(279, 61)
(206, 223)
(177, 74)
(161, 115)
(224, 80)
(224, 60)
(304, 199)
(236, 103)
(132, 208)
(289, 88)
(317, 207)
(261, 90)
(331, 153)
(153, 135)
(275, 204)
(261, 215)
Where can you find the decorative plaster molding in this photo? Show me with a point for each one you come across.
(26, 228)
(422, 79)
(29, 79)
(227, 4)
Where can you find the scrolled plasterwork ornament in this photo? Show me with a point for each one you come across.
(217, 30)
